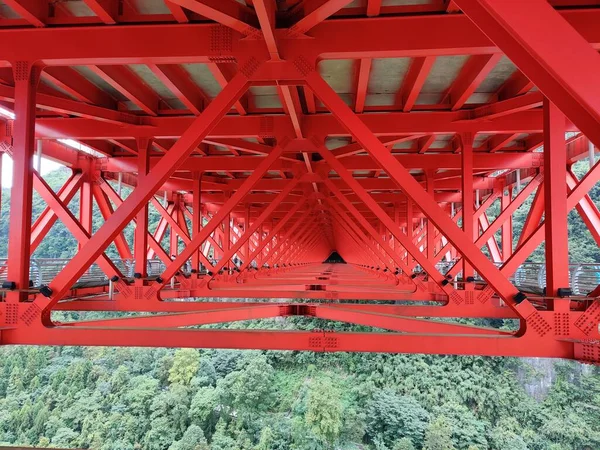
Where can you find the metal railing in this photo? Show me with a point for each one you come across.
(529, 277)
(43, 270)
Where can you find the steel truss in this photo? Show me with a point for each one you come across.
(255, 198)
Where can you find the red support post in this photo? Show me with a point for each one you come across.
(555, 215)
(507, 226)
(430, 174)
(26, 77)
(468, 221)
(85, 207)
(140, 239)
(197, 216)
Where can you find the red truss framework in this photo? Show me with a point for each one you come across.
(268, 135)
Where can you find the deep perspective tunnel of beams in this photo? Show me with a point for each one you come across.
(359, 162)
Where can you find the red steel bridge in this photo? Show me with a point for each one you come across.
(334, 159)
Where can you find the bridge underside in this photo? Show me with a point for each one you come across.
(354, 162)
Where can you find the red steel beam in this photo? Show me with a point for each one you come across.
(226, 12)
(414, 81)
(178, 81)
(106, 10)
(413, 189)
(223, 212)
(19, 233)
(552, 55)
(555, 211)
(315, 12)
(587, 209)
(475, 70)
(48, 217)
(362, 83)
(34, 12)
(418, 35)
(130, 85)
(144, 191)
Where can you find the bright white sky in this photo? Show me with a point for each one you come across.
(47, 165)
(7, 167)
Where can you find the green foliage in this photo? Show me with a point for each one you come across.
(185, 365)
(403, 444)
(323, 410)
(165, 399)
(391, 416)
(119, 399)
(439, 435)
(193, 439)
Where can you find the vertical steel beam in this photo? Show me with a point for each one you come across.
(174, 227)
(226, 234)
(85, 207)
(26, 77)
(467, 199)
(140, 240)
(409, 231)
(197, 215)
(555, 193)
(430, 227)
(507, 226)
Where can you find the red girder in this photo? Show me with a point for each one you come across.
(371, 130)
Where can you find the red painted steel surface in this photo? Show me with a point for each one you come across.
(268, 135)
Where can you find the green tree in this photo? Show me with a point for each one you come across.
(438, 435)
(249, 388)
(193, 439)
(185, 366)
(221, 440)
(391, 416)
(403, 444)
(323, 410)
(64, 437)
(467, 430)
(204, 409)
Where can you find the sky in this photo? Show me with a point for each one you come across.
(7, 167)
(47, 165)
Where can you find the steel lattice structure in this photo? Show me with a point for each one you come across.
(269, 134)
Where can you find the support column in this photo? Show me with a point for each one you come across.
(227, 233)
(397, 221)
(1, 159)
(507, 226)
(246, 228)
(197, 216)
(140, 246)
(409, 231)
(26, 77)
(467, 199)
(555, 193)
(85, 208)
(173, 241)
(430, 226)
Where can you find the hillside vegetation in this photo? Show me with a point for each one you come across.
(185, 399)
